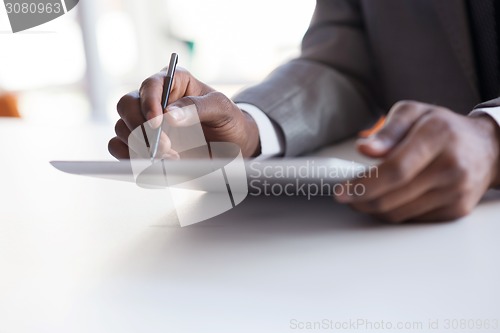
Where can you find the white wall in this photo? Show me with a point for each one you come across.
(236, 43)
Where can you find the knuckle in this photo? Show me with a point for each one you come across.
(151, 81)
(460, 173)
(362, 208)
(182, 71)
(124, 103)
(378, 206)
(464, 184)
(439, 124)
(221, 100)
(463, 201)
(111, 146)
(430, 120)
(404, 105)
(393, 218)
(463, 188)
(117, 126)
(146, 83)
(121, 129)
(182, 76)
(455, 166)
(224, 106)
(397, 172)
(227, 105)
(462, 209)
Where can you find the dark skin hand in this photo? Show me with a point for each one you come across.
(221, 119)
(436, 164)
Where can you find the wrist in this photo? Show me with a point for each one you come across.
(251, 146)
(491, 129)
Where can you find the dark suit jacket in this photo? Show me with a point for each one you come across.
(359, 57)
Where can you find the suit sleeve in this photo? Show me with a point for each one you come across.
(490, 108)
(489, 104)
(325, 95)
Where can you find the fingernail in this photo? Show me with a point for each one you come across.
(375, 143)
(176, 113)
(379, 145)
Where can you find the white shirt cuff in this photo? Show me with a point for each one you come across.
(271, 140)
(493, 112)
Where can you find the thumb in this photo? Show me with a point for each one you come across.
(211, 109)
(151, 93)
(401, 118)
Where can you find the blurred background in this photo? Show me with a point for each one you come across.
(74, 69)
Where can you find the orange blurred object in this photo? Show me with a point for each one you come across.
(371, 131)
(8, 106)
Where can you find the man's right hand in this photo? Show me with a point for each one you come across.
(221, 119)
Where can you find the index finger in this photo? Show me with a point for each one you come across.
(400, 120)
(151, 92)
(409, 159)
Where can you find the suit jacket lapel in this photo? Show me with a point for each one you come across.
(455, 20)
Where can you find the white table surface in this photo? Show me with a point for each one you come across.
(87, 255)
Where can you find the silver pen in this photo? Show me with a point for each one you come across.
(167, 87)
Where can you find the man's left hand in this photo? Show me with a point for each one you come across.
(436, 164)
